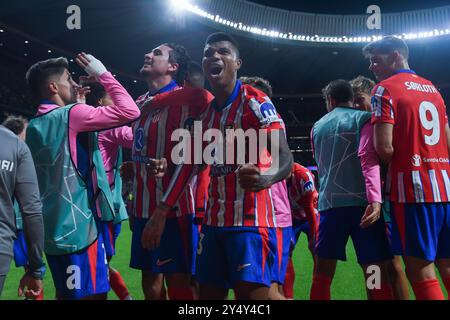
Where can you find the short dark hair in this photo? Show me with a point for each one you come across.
(222, 36)
(15, 123)
(38, 74)
(194, 75)
(339, 90)
(179, 55)
(362, 84)
(194, 68)
(386, 45)
(258, 83)
(96, 93)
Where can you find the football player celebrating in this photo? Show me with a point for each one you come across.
(411, 133)
(238, 235)
(165, 109)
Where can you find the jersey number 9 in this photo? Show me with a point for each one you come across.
(432, 124)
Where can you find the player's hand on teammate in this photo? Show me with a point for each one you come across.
(372, 214)
(127, 171)
(30, 287)
(157, 167)
(90, 64)
(151, 236)
(250, 178)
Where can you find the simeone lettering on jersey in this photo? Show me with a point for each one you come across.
(236, 147)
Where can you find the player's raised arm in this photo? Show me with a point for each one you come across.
(123, 110)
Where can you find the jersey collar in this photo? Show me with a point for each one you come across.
(405, 71)
(46, 101)
(168, 87)
(231, 99)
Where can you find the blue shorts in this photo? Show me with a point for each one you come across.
(394, 240)
(422, 230)
(299, 226)
(176, 253)
(228, 255)
(81, 274)
(110, 232)
(20, 250)
(338, 224)
(283, 236)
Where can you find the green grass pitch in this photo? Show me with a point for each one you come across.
(348, 283)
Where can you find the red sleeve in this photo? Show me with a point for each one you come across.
(382, 108)
(305, 187)
(183, 173)
(260, 113)
(180, 179)
(201, 196)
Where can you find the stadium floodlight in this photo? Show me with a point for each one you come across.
(189, 6)
(179, 5)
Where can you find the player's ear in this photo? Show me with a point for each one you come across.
(238, 63)
(52, 87)
(174, 67)
(397, 56)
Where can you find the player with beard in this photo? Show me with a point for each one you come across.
(238, 239)
(165, 108)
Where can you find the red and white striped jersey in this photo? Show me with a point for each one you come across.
(161, 115)
(302, 192)
(419, 169)
(228, 204)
